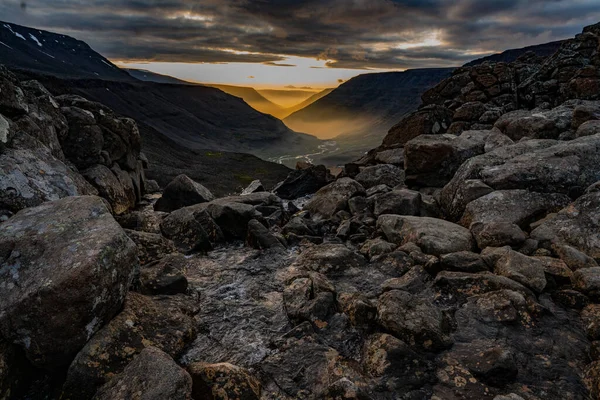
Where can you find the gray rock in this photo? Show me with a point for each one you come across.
(108, 187)
(334, 197)
(68, 255)
(182, 192)
(254, 187)
(329, 259)
(391, 156)
(166, 276)
(223, 381)
(528, 271)
(519, 207)
(383, 174)
(412, 319)
(400, 202)
(577, 226)
(260, 238)
(151, 246)
(588, 128)
(233, 218)
(191, 229)
(433, 236)
(152, 375)
(497, 234)
(587, 281)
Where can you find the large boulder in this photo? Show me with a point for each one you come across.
(334, 197)
(68, 255)
(433, 236)
(152, 375)
(432, 160)
(223, 381)
(164, 322)
(301, 182)
(182, 192)
(109, 187)
(431, 120)
(383, 174)
(191, 229)
(578, 226)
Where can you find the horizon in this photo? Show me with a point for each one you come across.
(308, 44)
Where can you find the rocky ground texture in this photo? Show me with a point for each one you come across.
(459, 260)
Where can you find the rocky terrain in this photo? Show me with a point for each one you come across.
(458, 260)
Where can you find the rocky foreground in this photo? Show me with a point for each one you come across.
(459, 260)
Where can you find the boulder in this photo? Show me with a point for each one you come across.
(182, 192)
(528, 271)
(309, 297)
(151, 246)
(260, 237)
(329, 259)
(432, 160)
(334, 197)
(587, 281)
(391, 156)
(497, 234)
(233, 218)
(223, 381)
(588, 128)
(109, 187)
(412, 319)
(254, 187)
(166, 276)
(400, 202)
(433, 236)
(191, 229)
(519, 207)
(302, 182)
(464, 261)
(68, 255)
(164, 322)
(152, 375)
(383, 174)
(431, 120)
(577, 226)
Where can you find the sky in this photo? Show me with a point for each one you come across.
(316, 43)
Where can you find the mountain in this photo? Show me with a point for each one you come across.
(149, 76)
(193, 116)
(289, 111)
(541, 50)
(287, 97)
(359, 112)
(252, 97)
(50, 53)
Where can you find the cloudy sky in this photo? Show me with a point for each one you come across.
(310, 42)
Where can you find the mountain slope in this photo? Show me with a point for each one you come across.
(50, 53)
(359, 112)
(149, 76)
(252, 97)
(289, 111)
(541, 50)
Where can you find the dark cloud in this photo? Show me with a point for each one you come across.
(360, 34)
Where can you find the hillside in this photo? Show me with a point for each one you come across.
(360, 111)
(149, 76)
(540, 50)
(252, 97)
(289, 111)
(50, 53)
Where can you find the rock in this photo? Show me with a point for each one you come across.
(329, 259)
(412, 319)
(519, 207)
(432, 160)
(191, 229)
(166, 276)
(68, 255)
(22, 184)
(391, 156)
(260, 238)
(151, 246)
(590, 316)
(464, 261)
(526, 270)
(495, 140)
(399, 202)
(344, 389)
(302, 182)
(573, 258)
(588, 128)
(383, 174)
(334, 197)
(414, 281)
(577, 226)
(497, 234)
(433, 236)
(376, 247)
(397, 365)
(310, 298)
(152, 186)
(108, 187)
(359, 308)
(223, 381)
(494, 365)
(461, 285)
(233, 218)
(254, 187)
(164, 322)
(298, 226)
(141, 221)
(430, 120)
(587, 281)
(152, 375)
(182, 192)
